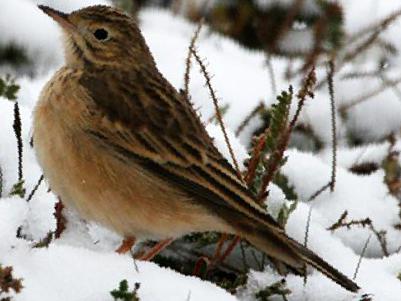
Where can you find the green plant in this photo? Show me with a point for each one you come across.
(278, 288)
(8, 88)
(124, 294)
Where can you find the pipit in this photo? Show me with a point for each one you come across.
(120, 145)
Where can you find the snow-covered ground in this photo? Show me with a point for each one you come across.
(82, 264)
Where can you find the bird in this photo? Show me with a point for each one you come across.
(121, 146)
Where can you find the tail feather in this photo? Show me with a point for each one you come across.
(325, 268)
(287, 250)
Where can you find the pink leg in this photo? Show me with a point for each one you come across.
(126, 245)
(160, 246)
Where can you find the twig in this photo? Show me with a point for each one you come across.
(248, 118)
(271, 73)
(341, 222)
(188, 59)
(383, 24)
(388, 84)
(364, 46)
(377, 29)
(306, 90)
(330, 75)
(381, 237)
(217, 109)
(360, 75)
(29, 198)
(367, 222)
(318, 192)
(17, 131)
(361, 256)
(307, 227)
(306, 241)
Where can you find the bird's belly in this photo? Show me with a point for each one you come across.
(108, 191)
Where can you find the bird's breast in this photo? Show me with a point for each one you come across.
(102, 188)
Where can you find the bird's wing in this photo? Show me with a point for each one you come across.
(143, 118)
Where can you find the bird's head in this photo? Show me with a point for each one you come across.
(101, 36)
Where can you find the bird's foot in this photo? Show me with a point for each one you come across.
(126, 245)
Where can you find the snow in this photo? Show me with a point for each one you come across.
(82, 264)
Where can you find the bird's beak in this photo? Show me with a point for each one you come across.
(60, 17)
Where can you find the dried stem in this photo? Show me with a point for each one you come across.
(361, 256)
(18, 134)
(319, 191)
(381, 238)
(308, 227)
(217, 109)
(388, 84)
(330, 75)
(379, 26)
(367, 222)
(189, 56)
(306, 90)
(271, 74)
(376, 30)
(30, 196)
(341, 222)
(248, 118)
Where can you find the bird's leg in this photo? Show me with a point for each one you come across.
(160, 246)
(218, 257)
(229, 249)
(217, 253)
(201, 262)
(126, 245)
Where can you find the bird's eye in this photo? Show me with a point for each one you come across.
(101, 34)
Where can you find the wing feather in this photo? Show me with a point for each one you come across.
(149, 122)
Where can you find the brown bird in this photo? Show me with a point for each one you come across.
(120, 145)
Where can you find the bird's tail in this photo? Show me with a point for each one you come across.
(280, 246)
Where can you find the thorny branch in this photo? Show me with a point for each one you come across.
(248, 118)
(366, 222)
(330, 75)
(188, 59)
(217, 109)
